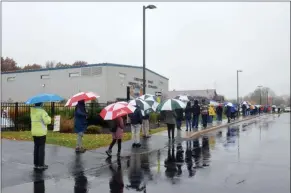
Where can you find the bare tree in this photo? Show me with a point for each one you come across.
(32, 67)
(79, 63)
(50, 64)
(59, 65)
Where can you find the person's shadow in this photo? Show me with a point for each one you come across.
(116, 183)
(77, 171)
(179, 158)
(205, 151)
(38, 181)
(135, 174)
(188, 158)
(170, 164)
(197, 153)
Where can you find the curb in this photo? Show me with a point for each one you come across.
(198, 133)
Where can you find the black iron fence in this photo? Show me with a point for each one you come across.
(16, 116)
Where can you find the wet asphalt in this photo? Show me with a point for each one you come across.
(251, 156)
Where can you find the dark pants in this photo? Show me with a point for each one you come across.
(39, 150)
(171, 129)
(188, 123)
(228, 119)
(219, 117)
(195, 121)
(179, 124)
(113, 143)
(204, 120)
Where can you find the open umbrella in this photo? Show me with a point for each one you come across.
(141, 103)
(274, 106)
(229, 104)
(43, 98)
(185, 98)
(170, 105)
(115, 110)
(86, 96)
(214, 103)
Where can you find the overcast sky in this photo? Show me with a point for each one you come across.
(196, 45)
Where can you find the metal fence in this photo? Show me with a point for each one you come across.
(16, 116)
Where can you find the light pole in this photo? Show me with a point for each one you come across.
(237, 87)
(144, 68)
(260, 94)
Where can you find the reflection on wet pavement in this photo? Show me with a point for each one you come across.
(247, 157)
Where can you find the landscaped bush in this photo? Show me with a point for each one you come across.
(66, 125)
(94, 129)
(23, 115)
(154, 117)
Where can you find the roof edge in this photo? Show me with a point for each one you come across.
(88, 65)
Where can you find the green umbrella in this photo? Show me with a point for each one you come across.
(170, 105)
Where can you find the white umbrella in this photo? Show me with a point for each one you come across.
(229, 104)
(274, 106)
(170, 105)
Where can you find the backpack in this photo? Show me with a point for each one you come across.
(112, 126)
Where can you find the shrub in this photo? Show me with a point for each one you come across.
(66, 125)
(154, 117)
(23, 115)
(94, 129)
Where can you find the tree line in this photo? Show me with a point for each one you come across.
(10, 65)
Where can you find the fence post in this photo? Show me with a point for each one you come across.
(52, 114)
(16, 116)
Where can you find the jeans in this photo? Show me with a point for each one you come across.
(204, 120)
(135, 131)
(195, 121)
(39, 150)
(145, 127)
(209, 119)
(79, 139)
(171, 130)
(179, 124)
(188, 124)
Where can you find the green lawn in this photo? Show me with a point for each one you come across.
(90, 141)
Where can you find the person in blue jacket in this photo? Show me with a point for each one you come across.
(80, 124)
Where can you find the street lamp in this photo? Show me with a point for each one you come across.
(260, 93)
(144, 68)
(237, 90)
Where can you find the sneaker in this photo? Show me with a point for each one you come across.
(44, 167)
(108, 152)
(80, 150)
(133, 145)
(138, 145)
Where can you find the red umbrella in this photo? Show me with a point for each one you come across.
(86, 96)
(115, 110)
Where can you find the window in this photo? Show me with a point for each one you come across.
(86, 71)
(96, 71)
(74, 74)
(45, 76)
(150, 81)
(122, 75)
(10, 79)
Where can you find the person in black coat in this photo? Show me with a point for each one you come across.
(196, 113)
(219, 111)
(188, 116)
(179, 118)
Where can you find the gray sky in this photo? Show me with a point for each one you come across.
(197, 45)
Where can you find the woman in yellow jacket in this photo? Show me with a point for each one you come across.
(39, 121)
(211, 113)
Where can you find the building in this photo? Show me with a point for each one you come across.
(209, 94)
(110, 81)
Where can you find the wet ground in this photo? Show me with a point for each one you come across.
(252, 156)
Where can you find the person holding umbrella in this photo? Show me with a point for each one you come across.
(81, 124)
(204, 113)
(136, 121)
(39, 121)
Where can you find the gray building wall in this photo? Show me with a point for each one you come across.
(103, 79)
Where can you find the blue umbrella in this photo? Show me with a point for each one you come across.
(42, 98)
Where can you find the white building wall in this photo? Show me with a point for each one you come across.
(108, 84)
(119, 78)
(27, 84)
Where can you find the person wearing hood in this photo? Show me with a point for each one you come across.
(170, 119)
(188, 116)
(81, 124)
(204, 113)
(39, 121)
(228, 113)
(136, 121)
(179, 118)
(196, 113)
(211, 113)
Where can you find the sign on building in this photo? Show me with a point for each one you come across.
(158, 94)
(57, 123)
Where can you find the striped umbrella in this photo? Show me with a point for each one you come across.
(150, 99)
(183, 98)
(115, 110)
(141, 103)
(170, 105)
(86, 96)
